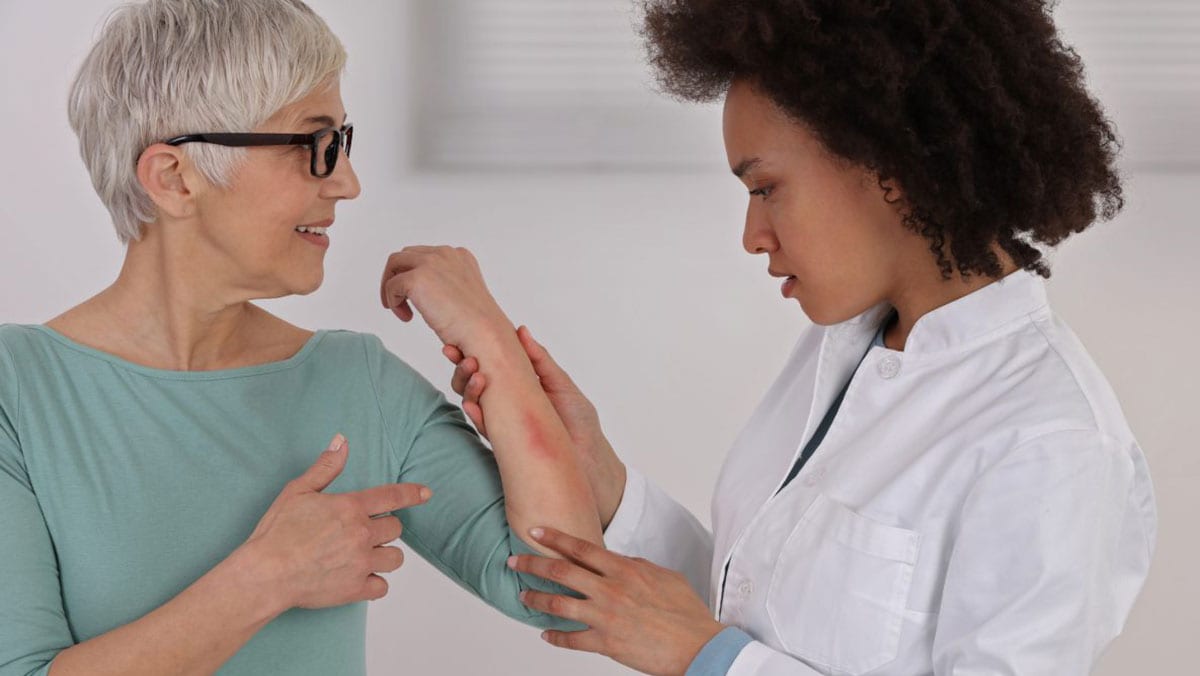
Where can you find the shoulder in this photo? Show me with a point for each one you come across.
(390, 374)
(1062, 385)
(16, 337)
(22, 344)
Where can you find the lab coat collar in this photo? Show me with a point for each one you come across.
(961, 321)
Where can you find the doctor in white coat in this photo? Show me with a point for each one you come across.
(940, 481)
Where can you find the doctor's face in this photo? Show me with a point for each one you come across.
(822, 223)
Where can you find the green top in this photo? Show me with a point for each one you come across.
(120, 485)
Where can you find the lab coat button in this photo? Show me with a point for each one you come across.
(746, 588)
(889, 367)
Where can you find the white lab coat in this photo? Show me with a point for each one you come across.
(979, 505)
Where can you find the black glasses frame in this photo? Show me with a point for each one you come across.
(341, 137)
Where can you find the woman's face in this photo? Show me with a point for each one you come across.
(823, 224)
(250, 226)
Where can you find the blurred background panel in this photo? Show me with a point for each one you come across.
(545, 84)
(1143, 62)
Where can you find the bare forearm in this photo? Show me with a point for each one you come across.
(543, 482)
(607, 478)
(192, 634)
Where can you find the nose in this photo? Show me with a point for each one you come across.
(758, 237)
(343, 183)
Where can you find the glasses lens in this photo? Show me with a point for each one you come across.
(326, 152)
(348, 140)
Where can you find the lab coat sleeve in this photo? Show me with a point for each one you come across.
(757, 659)
(1053, 545)
(649, 524)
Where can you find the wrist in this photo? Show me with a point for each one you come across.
(612, 489)
(701, 638)
(257, 579)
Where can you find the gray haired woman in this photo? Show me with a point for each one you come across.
(165, 508)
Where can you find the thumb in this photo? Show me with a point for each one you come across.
(552, 375)
(327, 467)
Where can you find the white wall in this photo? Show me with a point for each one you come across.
(636, 282)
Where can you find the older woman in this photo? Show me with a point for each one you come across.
(162, 510)
(940, 481)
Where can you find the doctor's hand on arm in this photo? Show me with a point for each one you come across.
(642, 615)
(605, 471)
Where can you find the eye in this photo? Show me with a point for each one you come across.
(762, 192)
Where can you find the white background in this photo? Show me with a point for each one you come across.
(637, 283)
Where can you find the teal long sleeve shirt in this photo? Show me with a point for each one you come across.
(120, 485)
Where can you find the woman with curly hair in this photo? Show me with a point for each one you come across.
(940, 481)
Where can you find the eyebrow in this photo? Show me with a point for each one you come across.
(745, 166)
(324, 120)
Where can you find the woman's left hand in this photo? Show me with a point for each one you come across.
(642, 615)
(445, 285)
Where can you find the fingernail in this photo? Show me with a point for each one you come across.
(537, 533)
(512, 563)
(524, 596)
(426, 493)
(546, 636)
(337, 444)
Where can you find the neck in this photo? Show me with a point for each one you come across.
(170, 310)
(921, 293)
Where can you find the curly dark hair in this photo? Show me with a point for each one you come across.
(975, 108)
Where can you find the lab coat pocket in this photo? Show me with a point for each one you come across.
(840, 586)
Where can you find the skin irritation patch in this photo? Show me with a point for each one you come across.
(535, 436)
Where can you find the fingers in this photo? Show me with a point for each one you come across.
(552, 375)
(386, 559)
(374, 588)
(384, 529)
(462, 373)
(398, 262)
(586, 641)
(580, 551)
(557, 605)
(452, 353)
(562, 571)
(405, 260)
(395, 296)
(390, 497)
(475, 386)
(475, 413)
(327, 467)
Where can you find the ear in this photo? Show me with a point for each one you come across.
(164, 173)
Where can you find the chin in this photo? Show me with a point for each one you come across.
(306, 287)
(827, 314)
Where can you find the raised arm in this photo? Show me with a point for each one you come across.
(543, 483)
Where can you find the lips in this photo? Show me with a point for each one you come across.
(789, 281)
(788, 285)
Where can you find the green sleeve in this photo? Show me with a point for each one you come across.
(33, 625)
(463, 530)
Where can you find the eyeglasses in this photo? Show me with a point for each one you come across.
(325, 144)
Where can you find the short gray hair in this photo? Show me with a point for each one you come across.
(162, 68)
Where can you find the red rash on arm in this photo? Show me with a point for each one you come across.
(535, 435)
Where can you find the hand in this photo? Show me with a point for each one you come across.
(324, 550)
(445, 285)
(639, 614)
(605, 471)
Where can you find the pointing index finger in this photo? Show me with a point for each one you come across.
(390, 497)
